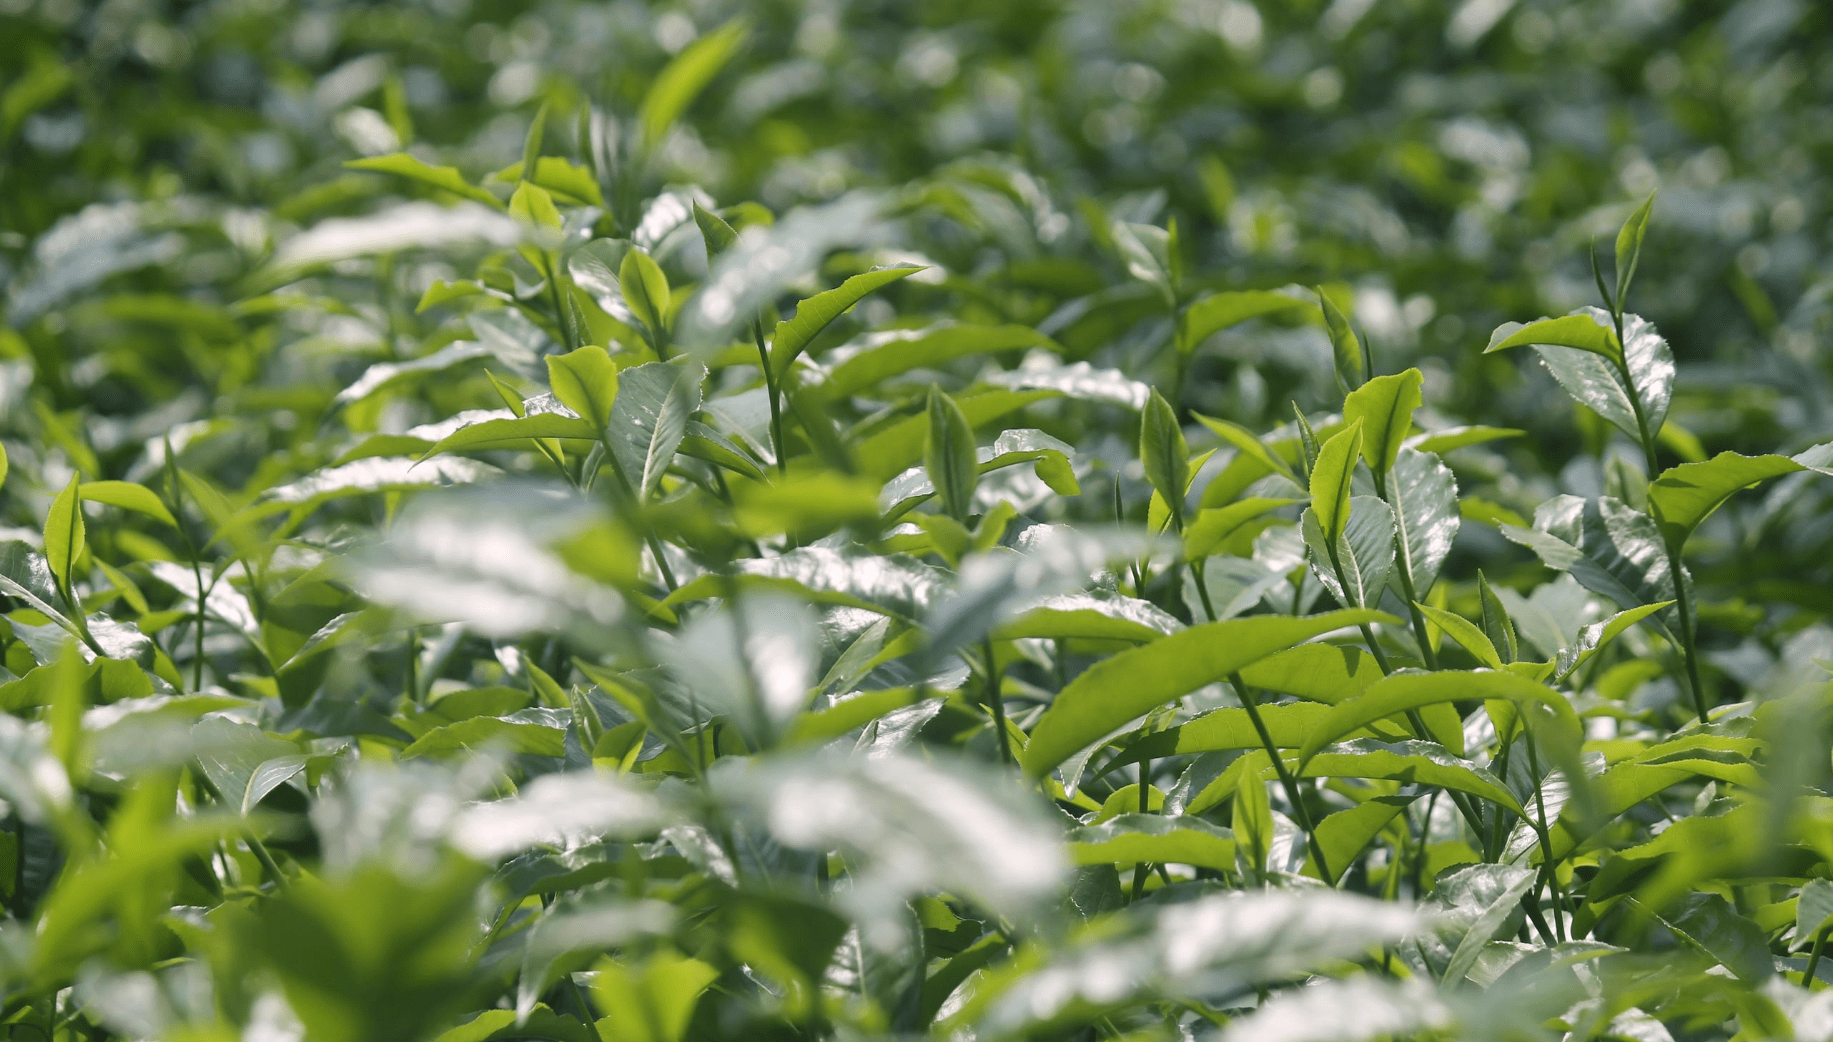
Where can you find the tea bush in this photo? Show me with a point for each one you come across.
(602, 523)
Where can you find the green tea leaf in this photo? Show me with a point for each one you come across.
(1610, 548)
(1426, 518)
(645, 290)
(65, 536)
(1165, 455)
(1497, 626)
(1245, 442)
(1330, 481)
(1589, 330)
(1218, 311)
(648, 421)
(718, 235)
(1134, 682)
(1466, 633)
(585, 381)
(682, 80)
(1684, 496)
(1345, 348)
(1131, 839)
(128, 496)
(1629, 246)
(1364, 552)
(949, 455)
(1383, 407)
(1414, 762)
(815, 314)
(1211, 528)
(1407, 689)
(402, 164)
(892, 352)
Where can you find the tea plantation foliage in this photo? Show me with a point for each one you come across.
(1123, 519)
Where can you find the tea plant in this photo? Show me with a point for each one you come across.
(688, 620)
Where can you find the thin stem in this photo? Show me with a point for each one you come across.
(1145, 785)
(1683, 601)
(1286, 780)
(770, 391)
(997, 703)
(1547, 864)
(1820, 945)
(1196, 573)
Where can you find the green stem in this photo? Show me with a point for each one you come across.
(1820, 945)
(771, 391)
(1196, 573)
(1286, 780)
(1548, 867)
(997, 703)
(1683, 601)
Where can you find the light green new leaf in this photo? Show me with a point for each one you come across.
(64, 531)
(511, 433)
(1684, 496)
(1218, 311)
(1327, 673)
(1246, 443)
(1139, 680)
(1210, 528)
(1345, 348)
(949, 455)
(1384, 407)
(1465, 632)
(1410, 689)
(1589, 331)
(1131, 839)
(885, 453)
(585, 381)
(558, 176)
(128, 496)
(645, 290)
(1497, 626)
(1220, 730)
(1595, 637)
(1412, 762)
(1331, 480)
(402, 164)
(895, 351)
(1443, 441)
(815, 314)
(654, 404)
(1629, 246)
(650, 1001)
(682, 80)
(2, 466)
(535, 206)
(718, 234)
(531, 144)
(1165, 454)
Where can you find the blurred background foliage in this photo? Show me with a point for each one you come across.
(1449, 162)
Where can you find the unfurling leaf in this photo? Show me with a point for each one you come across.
(1165, 454)
(949, 455)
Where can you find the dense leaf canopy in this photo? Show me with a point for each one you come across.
(1052, 519)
